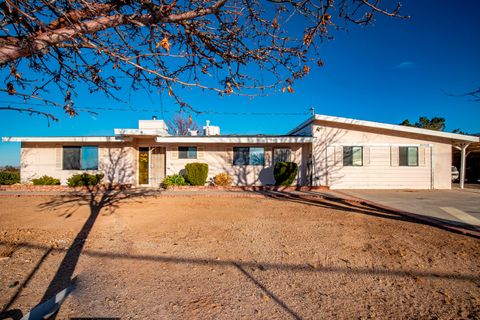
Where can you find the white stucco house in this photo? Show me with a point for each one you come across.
(335, 152)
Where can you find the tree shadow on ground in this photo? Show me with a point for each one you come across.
(97, 198)
(110, 198)
(242, 266)
(326, 200)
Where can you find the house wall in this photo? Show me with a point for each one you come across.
(220, 159)
(115, 160)
(119, 162)
(380, 169)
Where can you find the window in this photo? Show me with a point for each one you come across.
(353, 156)
(408, 156)
(248, 156)
(187, 152)
(80, 158)
(281, 155)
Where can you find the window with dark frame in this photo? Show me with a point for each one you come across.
(353, 156)
(408, 156)
(282, 155)
(187, 152)
(80, 158)
(248, 156)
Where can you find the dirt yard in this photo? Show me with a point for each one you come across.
(216, 257)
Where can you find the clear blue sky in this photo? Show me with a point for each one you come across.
(385, 72)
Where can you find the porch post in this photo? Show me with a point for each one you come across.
(463, 158)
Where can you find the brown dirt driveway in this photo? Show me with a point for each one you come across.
(189, 257)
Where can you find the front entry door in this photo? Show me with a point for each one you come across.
(157, 167)
(143, 165)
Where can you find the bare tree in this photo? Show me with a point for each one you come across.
(473, 95)
(180, 125)
(242, 47)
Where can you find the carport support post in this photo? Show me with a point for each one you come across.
(463, 161)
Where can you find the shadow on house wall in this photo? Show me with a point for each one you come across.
(118, 166)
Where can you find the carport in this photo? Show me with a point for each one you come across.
(465, 149)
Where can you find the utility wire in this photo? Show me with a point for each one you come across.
(162, 111)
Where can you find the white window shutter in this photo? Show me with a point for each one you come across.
(366, 156)
(268, 156)
(58, 157)
(200, 153)
(339, 156)
(229, 151)
(174, 153)
(422, 161)
(394, 156)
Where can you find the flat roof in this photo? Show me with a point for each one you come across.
(65, 139)
(140, 132)
(393, 127)
(235, 139)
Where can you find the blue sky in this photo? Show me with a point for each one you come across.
(386, 72)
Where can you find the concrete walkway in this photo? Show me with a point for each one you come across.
(454, 207)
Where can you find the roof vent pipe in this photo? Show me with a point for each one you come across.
(208, 123)
(154, 117)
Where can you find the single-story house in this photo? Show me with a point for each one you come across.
(336, 152)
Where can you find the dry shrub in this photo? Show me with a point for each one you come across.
(222, 179)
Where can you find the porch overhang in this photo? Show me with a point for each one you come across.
(236, 140)
(65, 139)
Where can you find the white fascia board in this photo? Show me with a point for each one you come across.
(212, 139)
(394, 127)
(63, 139)
(140, 132)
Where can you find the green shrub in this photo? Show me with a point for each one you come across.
(284, 173)
(174, 180)
(222, 179)
(46, 181)
(9, 177)
(196, 173)
(85, 179)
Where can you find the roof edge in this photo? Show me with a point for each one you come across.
(396, 127)
(302, 125)
(237, 139)
(65, 139)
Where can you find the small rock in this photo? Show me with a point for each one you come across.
(264, 297)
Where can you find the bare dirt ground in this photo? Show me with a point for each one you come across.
(191, 257)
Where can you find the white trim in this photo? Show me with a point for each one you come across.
(219, 139)
(394, 127)
(63, 139)
(140, 132)
(354, 144)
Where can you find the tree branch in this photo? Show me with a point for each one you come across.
(14, 51)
